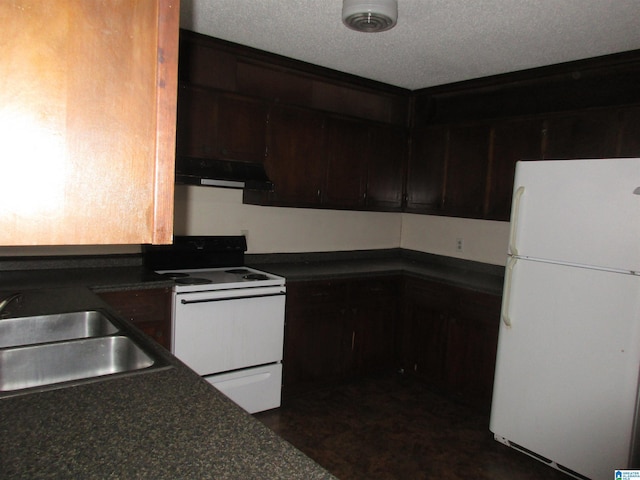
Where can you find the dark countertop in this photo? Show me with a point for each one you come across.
(163, 423)
(334, 265)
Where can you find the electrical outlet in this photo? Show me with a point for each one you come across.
(459, 245)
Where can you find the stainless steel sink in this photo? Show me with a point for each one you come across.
(52, 363)
(53, 328)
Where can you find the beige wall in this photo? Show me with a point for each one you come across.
(215, 211)
(482, 240)
(219, 211)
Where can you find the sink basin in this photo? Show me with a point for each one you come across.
(51, 363)
(53, 328)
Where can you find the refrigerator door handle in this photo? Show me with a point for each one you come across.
(514, 220)
(506, 296)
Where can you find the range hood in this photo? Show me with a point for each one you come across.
(222, 173)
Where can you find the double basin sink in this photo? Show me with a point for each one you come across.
(48, 350)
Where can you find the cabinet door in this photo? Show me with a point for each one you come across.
(240, 128)
(374, 303)
(424, 333)
(148, 309)
(218, 125)
(385, 168)
(466, 170)
(197, 109)
(630, 133)
(512, 141)
(316, 329)
(472, 342)
(346, 155)
(592, 134)
(426, 172)
(295, 161)
(87, 125)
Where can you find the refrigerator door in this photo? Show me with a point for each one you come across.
(585, 212)
(567, 367)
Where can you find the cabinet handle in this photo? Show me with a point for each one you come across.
(353, 339)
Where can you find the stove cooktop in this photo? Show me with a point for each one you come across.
(200, 279)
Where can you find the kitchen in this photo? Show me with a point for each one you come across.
(205, 211)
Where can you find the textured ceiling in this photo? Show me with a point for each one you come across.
(435, 42)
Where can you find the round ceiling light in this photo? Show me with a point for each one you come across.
(370, 15)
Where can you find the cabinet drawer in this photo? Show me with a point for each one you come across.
(300, 294)
(425, 292)
(374, 289)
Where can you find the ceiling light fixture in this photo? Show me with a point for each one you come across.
(370, 15)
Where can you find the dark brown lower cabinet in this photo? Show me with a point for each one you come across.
(148, 309)
(448, 336)
(337, 329)
(315, 334)
(445, 335)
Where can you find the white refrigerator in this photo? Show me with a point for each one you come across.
(568, 361)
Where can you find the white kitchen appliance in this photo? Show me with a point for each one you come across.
(228, 321)
(566, 380)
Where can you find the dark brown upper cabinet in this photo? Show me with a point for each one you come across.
(295, 160)
(387, 157)
(346, 155)
(214, 124)
(512, 140)
(448, 170)
(332, 140)
(590, 134)
(466, 170)
(426, 171)
(629, 145)
(327, 161)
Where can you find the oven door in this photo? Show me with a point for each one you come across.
(223, 330)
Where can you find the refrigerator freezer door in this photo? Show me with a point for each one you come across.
(567, 367)
(578, 211)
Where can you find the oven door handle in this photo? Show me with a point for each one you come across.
(226, 299)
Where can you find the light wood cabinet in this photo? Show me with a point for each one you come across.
(87, 121)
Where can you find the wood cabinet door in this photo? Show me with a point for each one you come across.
(472, 342)
(629, 145)
(87, 125)
(512, 141)
(426, 171)
(346, 155)
(424, 332)
(316, 348)
(196, 122)
(295, 162)
(590, 134)
(218, 125)
(241, 128)
(466, 170)
(388, 147)
(374, 303)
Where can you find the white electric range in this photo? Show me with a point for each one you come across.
(228, 325)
